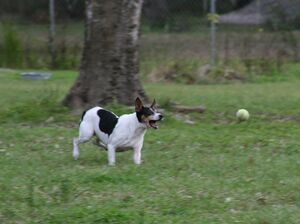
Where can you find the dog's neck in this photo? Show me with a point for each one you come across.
(136, 123)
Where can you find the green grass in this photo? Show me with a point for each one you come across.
(213, 171)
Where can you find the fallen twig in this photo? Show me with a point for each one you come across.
(186, 109)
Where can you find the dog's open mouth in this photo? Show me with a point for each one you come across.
(153, 124)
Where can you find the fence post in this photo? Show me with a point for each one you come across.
(52, 32)
(204, 6)
(258, 9)
(213, 48)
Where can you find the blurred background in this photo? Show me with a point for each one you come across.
(180, 39)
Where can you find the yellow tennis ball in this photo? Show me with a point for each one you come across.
(242, 115)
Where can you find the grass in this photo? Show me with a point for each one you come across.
(212, 171)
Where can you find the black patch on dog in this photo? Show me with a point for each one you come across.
(146, 111)
(108, 121)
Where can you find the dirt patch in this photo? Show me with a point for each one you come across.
(187, 74)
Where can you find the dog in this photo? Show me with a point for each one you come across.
(116, 133)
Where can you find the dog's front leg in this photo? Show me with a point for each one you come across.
(111, 154)
(137, 154)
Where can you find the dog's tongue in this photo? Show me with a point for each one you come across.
(153, 124)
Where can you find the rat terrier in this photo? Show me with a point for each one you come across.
(117, 133)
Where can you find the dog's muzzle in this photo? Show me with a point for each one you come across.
(153, 124)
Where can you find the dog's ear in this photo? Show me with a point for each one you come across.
(138, 104)
(153, 104)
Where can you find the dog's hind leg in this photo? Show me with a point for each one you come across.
(86, 131)
(100, 144)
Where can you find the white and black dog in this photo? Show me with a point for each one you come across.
(114, 133)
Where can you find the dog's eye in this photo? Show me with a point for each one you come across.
(148, 111)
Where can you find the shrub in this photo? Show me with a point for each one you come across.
(12, 52)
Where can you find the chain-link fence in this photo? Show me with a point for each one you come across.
(25, 33)
(254, 35)
(241, 37)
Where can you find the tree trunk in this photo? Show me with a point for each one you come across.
(109, 66)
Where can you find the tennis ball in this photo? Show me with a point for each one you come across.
(242, 115)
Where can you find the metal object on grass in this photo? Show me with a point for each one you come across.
(35, 76)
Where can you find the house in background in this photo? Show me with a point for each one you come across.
(260, 11)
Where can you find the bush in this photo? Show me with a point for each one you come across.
(12, 51)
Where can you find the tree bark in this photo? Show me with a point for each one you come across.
(109, 66)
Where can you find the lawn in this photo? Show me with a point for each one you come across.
(197, 168)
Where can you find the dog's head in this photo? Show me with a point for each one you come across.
(147, 115)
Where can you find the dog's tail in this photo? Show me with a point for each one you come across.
(82, 116)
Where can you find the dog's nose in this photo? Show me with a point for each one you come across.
(160, 117)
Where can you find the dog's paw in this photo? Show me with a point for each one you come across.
(75, 155)
(138, 162)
